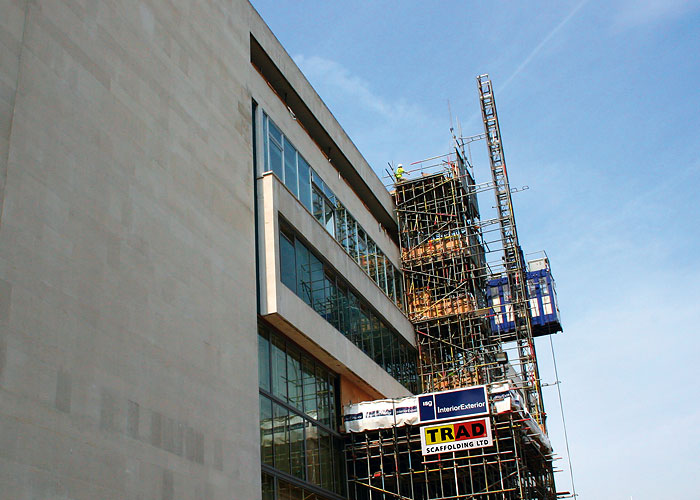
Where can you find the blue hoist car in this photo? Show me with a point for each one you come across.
(544, 311)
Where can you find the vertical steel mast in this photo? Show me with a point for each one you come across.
(513, 260)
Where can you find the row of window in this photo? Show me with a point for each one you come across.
(282, 158)
(296, 379)
(298, 414)
(329, 295)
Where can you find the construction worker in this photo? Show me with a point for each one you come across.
(399, 173)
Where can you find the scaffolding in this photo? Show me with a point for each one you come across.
(449, 256)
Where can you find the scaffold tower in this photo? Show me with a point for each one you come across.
(450, 255)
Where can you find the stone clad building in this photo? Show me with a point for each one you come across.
(197, 266)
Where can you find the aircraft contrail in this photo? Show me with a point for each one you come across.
(537, 49)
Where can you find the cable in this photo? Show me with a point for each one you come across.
(563, 420)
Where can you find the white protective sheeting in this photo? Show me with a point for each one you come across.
(381, 414)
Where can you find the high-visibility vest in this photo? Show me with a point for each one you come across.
(399, 172)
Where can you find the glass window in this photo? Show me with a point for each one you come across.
(381, 274)
(274, 132)
(282, 158)
(304, 183)
(313, 458)
(303, 272)
(322, 396)
(390, 281)
(287, 261)
(332, 300)
(326, 459)
(281, 437)
(308, 374)
(362, 248)
(294, 380)
(329, 212)
(318, 209)
(352, 237)
(276, 160)
(376, 338)
(365, 330)
(342, 306)
(398, 287)
(279, 368)
(330, 296)
(291, 438)
(266, 431)
(387, 353)
(372, 259)
(341, 226)
(296, 445)
(290, 168)
(264, 361)
(318, 289)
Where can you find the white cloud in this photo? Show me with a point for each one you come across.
(634, 13)
(384, 128)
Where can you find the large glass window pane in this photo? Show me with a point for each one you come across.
(381, 274)
(342, 307)
(329, 214)
(304, 183)
(398, 288)
(308, 374)
(365, 330)
(318, 211)
(288, 491)
(303, 272)
(288, 268)
(279, 368)
(275, 149)
(396, 358)
(331, 401)
(294, 380)
(331, 300)
(362, 248)
(326, 459)
(268, 487)
(390, 281)
(340, 226)
(317, 180)
(318, 288)
(322, 396)
(296, 445)
(329, 194)
(274, 132)
(354, 325)
(386, 349)
(313, 466)
(281, 437)
(339, 466)
(376, 338)
(403, 353)
(290, 167)
(372, 259)
(266, 431)
(351, 240)
(264, 361)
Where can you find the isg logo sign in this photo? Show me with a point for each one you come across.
(456, 436)
(446, 405)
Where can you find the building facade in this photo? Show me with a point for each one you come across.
(197, 266)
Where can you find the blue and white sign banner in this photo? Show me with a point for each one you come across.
(446, 405)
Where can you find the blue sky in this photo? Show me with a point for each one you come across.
(599, 110)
